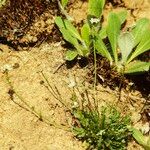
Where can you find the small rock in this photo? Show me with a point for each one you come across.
(6, 67)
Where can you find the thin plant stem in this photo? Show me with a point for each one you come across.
(95, 78)
(95, 68)
(32, 110)
(120, 84)
(55, 92)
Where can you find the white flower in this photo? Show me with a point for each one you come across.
(94, 20)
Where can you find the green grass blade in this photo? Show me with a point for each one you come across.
(95, 7)
(126, 44)
(141, 27)
(137, 67)
(113, 30)
(143, 46)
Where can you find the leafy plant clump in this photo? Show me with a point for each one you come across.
(82, 42)
(126, 46)
(122, 48)
(105, 130)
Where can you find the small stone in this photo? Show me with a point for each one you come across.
(145, 128)
(34, 39)
(6, 67)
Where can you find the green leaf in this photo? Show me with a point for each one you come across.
(66, 33)
(69, 38)
(73, 31)
(137, 67)
(126, 44)
(71, 55)
(66, 24)
(140, 138)
(84, 51)
(102, 33)
(113, 30)
(143, 46)
(85, 33)
(95, 7)
(101, 49)
(64, 3)
(122, 16)
(69, 35)
(59, 22)
(141, 27)
(103, 119)
(79, 132)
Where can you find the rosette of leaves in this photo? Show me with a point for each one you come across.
(129, 44)
(105, 130)
(81, 41)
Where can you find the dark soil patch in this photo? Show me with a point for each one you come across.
(141, 83)
(18, 18)
(107, 76)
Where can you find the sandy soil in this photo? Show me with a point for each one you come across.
(20, 128)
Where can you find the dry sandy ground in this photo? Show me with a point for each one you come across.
(19, 128)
